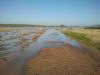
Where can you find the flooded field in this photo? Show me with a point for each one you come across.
(61, 55)
(49, 37)
(52, 35)
(18, 46)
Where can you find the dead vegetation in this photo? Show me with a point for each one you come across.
(89, 37)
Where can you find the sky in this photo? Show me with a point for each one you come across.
(50, 12)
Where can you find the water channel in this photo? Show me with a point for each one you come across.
(16, 48)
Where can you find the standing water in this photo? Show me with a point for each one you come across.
(17, 47)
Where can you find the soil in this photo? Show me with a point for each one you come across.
(63, 61)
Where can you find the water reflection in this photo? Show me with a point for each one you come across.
(55, 36)
(24, 43)
(18, 46)
(12, 43)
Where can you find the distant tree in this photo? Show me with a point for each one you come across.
(61, 25)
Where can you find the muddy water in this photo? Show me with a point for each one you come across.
(54, 36)
(16, 48)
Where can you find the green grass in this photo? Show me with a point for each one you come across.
(83, 38)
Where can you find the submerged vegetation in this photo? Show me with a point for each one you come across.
(84, 38)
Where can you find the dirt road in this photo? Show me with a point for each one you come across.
(58, 57)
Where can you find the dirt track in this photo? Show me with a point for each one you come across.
(63, 61)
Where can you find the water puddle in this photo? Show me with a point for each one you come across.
(17, 46)
(51, 36)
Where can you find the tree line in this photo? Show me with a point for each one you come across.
(70, 26)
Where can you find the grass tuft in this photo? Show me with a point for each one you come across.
(82, 37)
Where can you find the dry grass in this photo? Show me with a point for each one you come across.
(90, 37)
(4, 29)
(94, 34)
(13, 28)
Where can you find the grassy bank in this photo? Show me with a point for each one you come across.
(86, 37)
(2, 29)
(9, 28)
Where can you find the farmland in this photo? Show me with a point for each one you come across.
(90, 37)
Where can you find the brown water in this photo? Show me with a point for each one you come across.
(16, 48)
